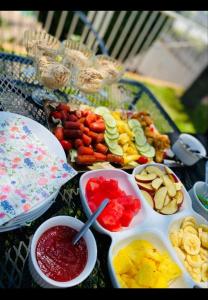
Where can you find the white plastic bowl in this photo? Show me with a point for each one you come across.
(40, 278)
(199, 188)
(127, 184)
(187, 157)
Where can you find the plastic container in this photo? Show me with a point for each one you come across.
(39, 277)
(187, 157)
(147, 224)
(199, 187)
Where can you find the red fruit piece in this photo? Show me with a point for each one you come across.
(86, 159)
(126, 218)
(72, 133)
(90, 119)
(85, 150)
(142, 160)
(98, 127)
(72, 117)
(78, 143)
(86, 139)
(56, 115)
(59, 133)
(66, 145)
(71, 125)
(63, 106)
(101, 148)
(100, 156)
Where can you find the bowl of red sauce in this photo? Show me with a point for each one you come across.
(54, 261)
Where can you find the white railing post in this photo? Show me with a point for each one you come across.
(73, 25)
(48, 20)
(133, 35)
(115, 29)
(61, 24)
(126, 29)
(90, 17)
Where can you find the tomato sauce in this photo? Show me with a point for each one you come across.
(57, 257)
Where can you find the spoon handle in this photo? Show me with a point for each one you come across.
(90, 221)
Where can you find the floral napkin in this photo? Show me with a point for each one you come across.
(29, 171)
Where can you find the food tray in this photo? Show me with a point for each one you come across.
(75, 104)
(147, 224)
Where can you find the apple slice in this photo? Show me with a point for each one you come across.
(156, 183)
(167, 200)
(173, 178)
(148, 197)
(179, 197)
(169, 185)
(143, 172)
(145, 186)
(170, 209)
(155, 170)
(178, 186)
(168, 170)
(145, 178)
(159, 197)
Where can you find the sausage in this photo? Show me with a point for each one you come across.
(85, 159)
(71, 125)
(72, 133)
(85, 150)
(115, 159)
(101, 148)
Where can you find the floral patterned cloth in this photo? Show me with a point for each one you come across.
(29, 172)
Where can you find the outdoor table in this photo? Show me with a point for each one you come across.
(15, 96)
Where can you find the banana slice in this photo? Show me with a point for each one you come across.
(204, 239)
(196, 270)
(180, 253)
(188, 220)
(191, 244)
(200, 231)
(203, 254)
(204, 227)
(188, 267)
(194, 260)
(180, 238)
(196, 277)
(190, 229)
(204, 272)
(174, 238)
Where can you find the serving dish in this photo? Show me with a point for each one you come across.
(148, 224)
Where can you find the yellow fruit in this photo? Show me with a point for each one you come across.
(204, 227)
(162, 282)
(174, 238)
(190, 229)
(147, 274)
(122, 263)
(204, 240)
(121, 281)
(203, 254)
(196, 277)
(180, 253)
(194, 260)
(191, 244)
(200, 231)
(129, 158)
(188, 220)
(123, 138)
(204, 272)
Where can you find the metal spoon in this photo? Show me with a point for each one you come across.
(90, 221)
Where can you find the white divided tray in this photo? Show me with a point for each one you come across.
(147, 224)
